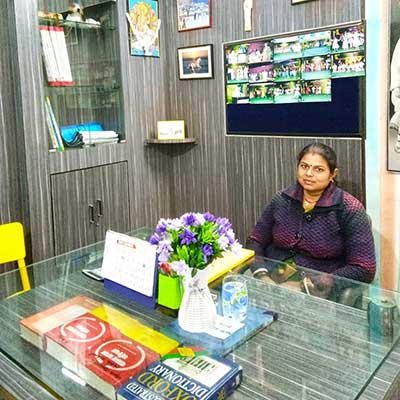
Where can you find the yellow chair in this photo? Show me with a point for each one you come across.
(12, 248)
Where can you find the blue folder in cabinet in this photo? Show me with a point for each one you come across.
(257, 319)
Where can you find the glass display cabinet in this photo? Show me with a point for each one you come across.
(82, 73)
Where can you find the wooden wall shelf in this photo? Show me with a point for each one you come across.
(151, 142)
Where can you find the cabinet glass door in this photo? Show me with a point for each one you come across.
(82, 73)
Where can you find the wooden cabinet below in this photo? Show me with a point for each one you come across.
(87, 202)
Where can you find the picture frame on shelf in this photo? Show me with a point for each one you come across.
(171, 130)
(294, 2)
(196, 62)
(193, 14)
(144, 29)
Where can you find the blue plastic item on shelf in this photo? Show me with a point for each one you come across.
(69, 132)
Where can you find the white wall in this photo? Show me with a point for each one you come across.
(382, 186)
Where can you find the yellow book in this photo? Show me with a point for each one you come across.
(135, 330)
(227, 262)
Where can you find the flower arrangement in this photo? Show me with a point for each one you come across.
(191, 242)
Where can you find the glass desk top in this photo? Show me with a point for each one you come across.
(318, 349)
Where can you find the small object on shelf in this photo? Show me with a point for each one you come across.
(75, 13)
(171, 130)
(50, 16)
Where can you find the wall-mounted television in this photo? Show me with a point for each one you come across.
(308, 83)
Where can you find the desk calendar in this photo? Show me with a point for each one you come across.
(130, 267)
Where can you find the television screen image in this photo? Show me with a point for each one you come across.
(261, 93)
(236, 54)
(348, 65)
(287, 48)
(316, 44)
(261, 73)
(287, 92)
(287, 71)
(316, 91)
(317, 67)
(348, 39)
(237, 93)
(260, 52)
(237, 73)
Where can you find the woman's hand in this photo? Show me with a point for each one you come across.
(318, 285)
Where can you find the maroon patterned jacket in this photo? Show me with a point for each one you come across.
(334, 237)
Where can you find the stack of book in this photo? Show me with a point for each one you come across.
(87, 134)
(99, 343)
(194, 377)
(55, 55)
(98, 137)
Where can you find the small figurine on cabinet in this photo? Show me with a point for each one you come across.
(75, 13)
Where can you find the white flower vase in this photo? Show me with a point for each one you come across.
(197, 312)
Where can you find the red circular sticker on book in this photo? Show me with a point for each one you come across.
(120, 355)
(83, 329)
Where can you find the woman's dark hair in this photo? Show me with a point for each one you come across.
(324, 151)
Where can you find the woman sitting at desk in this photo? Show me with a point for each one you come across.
(315, 224)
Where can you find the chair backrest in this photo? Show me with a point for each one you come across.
(12, 248)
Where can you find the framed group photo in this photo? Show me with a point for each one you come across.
(193, 14)
(196, 62)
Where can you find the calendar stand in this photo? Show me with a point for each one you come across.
(130, 268)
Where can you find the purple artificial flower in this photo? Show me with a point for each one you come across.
(187, 237)
(223, 242)
(179, 267)
(209, 217)
(236, 248)
(207, 251)
(164, 250)
(224, 225)
(199, 219)
(175, 224)
(154, 239)
(162, 226)
(188, 219)
(230, 235)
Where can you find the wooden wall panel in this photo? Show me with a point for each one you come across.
(146, 101)
(236, 176)
(11, 181)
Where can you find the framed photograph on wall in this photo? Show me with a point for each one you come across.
(196, 62)
(393, 131)
(300, 1)
(144, 28)
(193, 14)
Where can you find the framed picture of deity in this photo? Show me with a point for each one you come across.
(193, 14)
(144, 28)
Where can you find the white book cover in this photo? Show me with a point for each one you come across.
(60, 48)
(48, 55)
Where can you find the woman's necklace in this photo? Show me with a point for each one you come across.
(308, 201)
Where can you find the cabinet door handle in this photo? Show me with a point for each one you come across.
(91, 214)
(99, 204)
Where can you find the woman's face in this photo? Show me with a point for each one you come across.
(313, 173)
